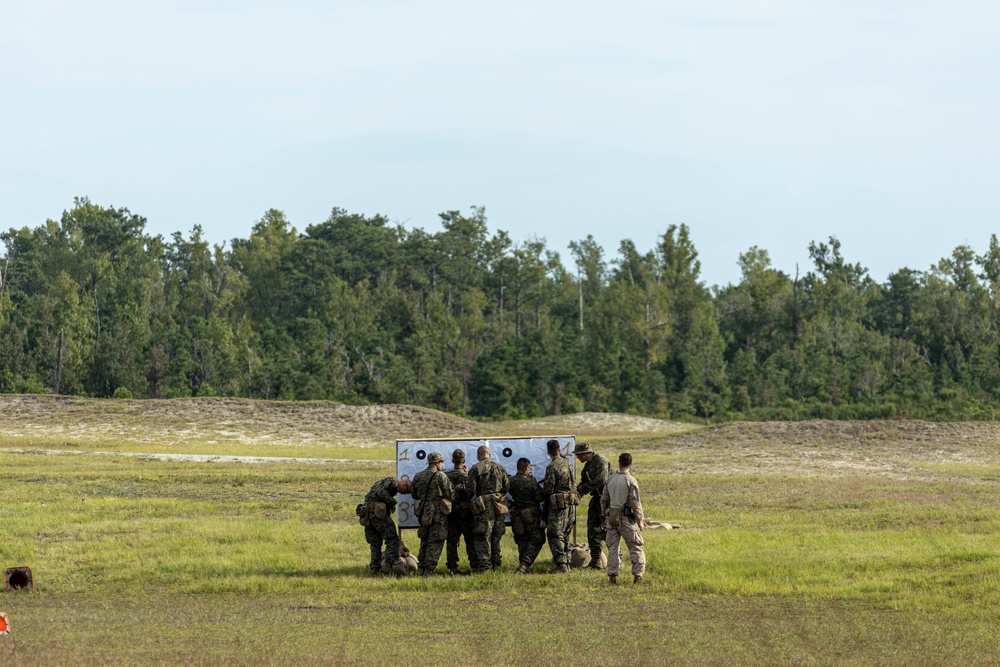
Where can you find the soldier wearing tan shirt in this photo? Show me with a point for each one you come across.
(622, 510)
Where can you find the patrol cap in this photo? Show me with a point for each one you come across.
(582, 448)
(435, 457)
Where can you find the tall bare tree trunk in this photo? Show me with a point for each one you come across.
(796, 333)
(59, 356)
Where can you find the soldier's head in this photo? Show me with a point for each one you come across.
(458, 457)
(552, 446)
(435, 460)
(624, 461)
(583, 451)
(483, 452)
(404, 486)
(523, 466)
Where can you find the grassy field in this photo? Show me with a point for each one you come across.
(814, 543)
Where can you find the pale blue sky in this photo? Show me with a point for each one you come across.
(756, 122)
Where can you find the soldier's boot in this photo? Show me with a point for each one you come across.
(421, 571)
(613, 580)
(523, 568)
(562, 568)
(595, 565)
(639, 581)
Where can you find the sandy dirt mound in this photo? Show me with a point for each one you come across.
(893, 449)
(222, 420)
(600, 423)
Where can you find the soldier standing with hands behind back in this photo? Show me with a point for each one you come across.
(596, 471)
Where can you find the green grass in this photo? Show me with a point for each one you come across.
(148, 562)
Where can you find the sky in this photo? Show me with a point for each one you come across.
(754, 122)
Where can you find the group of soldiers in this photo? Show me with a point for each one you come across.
(470, 504)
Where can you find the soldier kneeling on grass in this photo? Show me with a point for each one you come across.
(375, 514)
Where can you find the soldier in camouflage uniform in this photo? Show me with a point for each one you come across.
(384, 529)
(526, 515)
(596, 471)
(461, 523)
(562, 514)
(430, 487)
(488, 485)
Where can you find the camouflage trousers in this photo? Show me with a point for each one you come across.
(489, 529)
(461, 524)
(558, 529)
(530, 542)
(379, 531)
(595, 527)
(432, 539)
(629, 532)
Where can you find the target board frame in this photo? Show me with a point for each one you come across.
(411, 458)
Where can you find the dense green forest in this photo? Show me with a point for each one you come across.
(356, 309)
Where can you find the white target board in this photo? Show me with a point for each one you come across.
(411, 458)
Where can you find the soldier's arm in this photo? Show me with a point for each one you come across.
(587, 485)
(635, 503)
(601, 475)
(550, 481)
(470, 483)
(446, 488)
(504, 480)
(605, 500)
(535, 491)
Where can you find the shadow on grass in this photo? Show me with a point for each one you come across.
(317, 573)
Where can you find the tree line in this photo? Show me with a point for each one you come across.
(359, 310)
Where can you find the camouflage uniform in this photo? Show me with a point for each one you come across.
(592, 480)
(461, 523)
(559, 479)
(428, 486)
(622, 488)
(379, 530)
(527, 494)
(485, 478)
